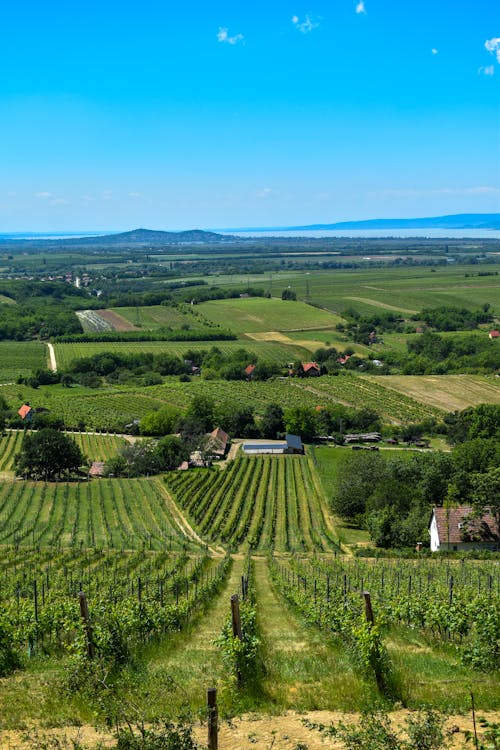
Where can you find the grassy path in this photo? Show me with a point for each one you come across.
(303, 670)
(190, 662)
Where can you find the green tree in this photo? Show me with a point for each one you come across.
(301, 420)
(486, 493)
(161, 422)
(171, 452)
(272, 421)
(48, 454)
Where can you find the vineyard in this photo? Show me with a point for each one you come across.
(93, 447)
(268, 502)
(269, 351)
(111, 513)
(21, 358)
(133, 598)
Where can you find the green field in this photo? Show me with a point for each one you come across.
(115, 513)
(271, 352)
(158, 316)
(111, 409)
(21, 358)
(374, 289)
(93, 447)
(254, 314)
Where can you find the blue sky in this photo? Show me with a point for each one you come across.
(224, 114)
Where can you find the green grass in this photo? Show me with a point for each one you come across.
(257, 314)
(21, 358)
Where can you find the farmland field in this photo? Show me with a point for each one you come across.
(93, 447)
(157, 316)
(21, 358)
(270, 351)
(261, 314)
(447, 392)
(114, 513)
(269, 502)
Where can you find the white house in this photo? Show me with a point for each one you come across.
(458, 529)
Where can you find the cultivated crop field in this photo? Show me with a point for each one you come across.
(21, 358)
(402, 289)
(157, 316)
(93, 447)
(262, 314)
(267, 502)
(269, 351)
(361, 390)
(111, 513)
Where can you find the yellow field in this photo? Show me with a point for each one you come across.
(448, 392)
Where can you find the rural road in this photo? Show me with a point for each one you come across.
(52, 358)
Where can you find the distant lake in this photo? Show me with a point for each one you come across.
(370, 234)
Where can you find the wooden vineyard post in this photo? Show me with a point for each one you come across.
(368, 608)
(84, 612)
(235, 616)
(236, 623)
(212, 718)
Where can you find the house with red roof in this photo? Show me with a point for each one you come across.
(311, 369)
(494, 334)
(249, 371)
(460, 529)
(26, 413)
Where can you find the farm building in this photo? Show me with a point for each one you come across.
(458, 529)
(311, 369)
(291, 444)
(363, 437)
(494, 334)
(97, 469)
(218, 441)
(26, 413)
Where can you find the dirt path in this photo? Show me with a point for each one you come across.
(52, 358)
(181, 521)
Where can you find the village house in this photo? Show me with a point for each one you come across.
(26, 413)
(311, 369)
(494, 334)
(458, 529)
(218, 441)
(249, 371)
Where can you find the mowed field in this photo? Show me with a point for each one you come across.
(447, 392)
(21, 358)
(157, 316)
(250, 315)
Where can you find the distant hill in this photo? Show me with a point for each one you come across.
(455, 221)
(136, 237)
(151, 237)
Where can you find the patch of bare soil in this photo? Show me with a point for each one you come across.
(118, 322)
(250, 732)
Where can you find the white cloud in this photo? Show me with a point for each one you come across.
(59, 202)
(106, 195)
(487, 70)
(360, 7)
(43, 195)
(223, 36)
(11, 194)
(135, 195)
(434, 51)
(493, 46)
(304, 26)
